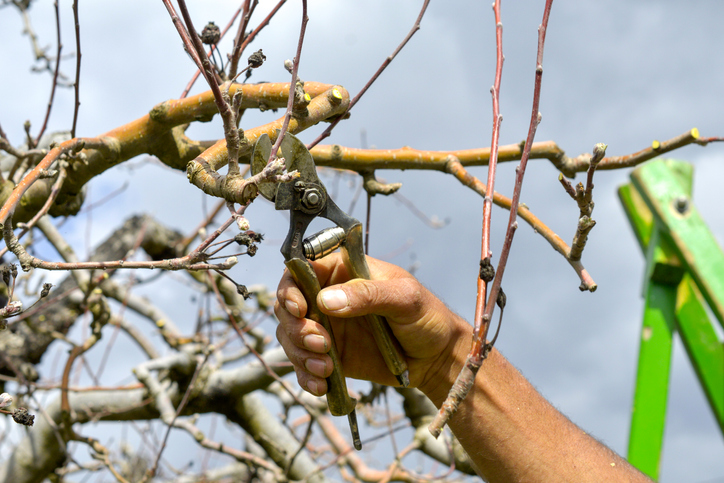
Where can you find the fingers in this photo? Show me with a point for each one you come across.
(306, 343)
(394, 294)
(329, 270)
(290, 296)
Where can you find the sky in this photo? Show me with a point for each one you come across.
(618, 72)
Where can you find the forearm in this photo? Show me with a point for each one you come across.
(513, 434)
(510, 432)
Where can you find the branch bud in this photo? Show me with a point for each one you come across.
(210, 34)
(256, 59)
(501, 299)
(242, 223)
(6, 275)
(487, 271)
(22, 416)
(599, 151)
(242, 290)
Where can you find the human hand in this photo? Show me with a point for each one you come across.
(429, 333)
(509, 430)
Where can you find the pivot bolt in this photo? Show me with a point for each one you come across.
(311, 199)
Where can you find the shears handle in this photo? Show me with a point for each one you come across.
(338, 399)
(356, 263)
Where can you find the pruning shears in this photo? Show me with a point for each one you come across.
(306, 198)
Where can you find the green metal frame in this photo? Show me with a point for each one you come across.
(684, 274)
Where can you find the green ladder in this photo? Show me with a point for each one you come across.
(684, 273)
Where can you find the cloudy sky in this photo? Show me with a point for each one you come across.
(618, 72)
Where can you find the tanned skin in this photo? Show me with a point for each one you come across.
(508, 429)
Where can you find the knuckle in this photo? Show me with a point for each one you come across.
(368, 291)
(280, 333)
(407, 291)
(414, 293)
(284, 294)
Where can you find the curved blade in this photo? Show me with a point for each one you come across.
(262, 150)
(297, 158)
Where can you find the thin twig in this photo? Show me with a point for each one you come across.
(201, 228)
(193, 261)
(188, 44)
(239, 45)
(384, 65)
(431, 221)
(236, 50)
(180, 408)
(248, 8)
(100, 309)
(583, 196)
(292, 85)
(346, 455)
(211, 238)
(55, 73)
(8, 148)
(466, 378)
(302, 444)
(520, 170)
(100, 452)
(53, 195)
(76, 84)
(231, 132)
(209, 54)
(457, 170)
(71, 146)
(485, 253)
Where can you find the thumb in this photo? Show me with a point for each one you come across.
(398, 299)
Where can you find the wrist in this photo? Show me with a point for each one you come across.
(445, 369)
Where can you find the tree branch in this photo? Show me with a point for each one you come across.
(467, 375)
(556, 242)
(374, 77)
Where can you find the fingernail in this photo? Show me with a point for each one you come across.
(316, 367)
(313, 387)
(315, 343)
(292, 308)
(334, 299)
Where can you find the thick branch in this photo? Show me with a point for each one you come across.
(202, 171)
(158, 133)
(355, 159)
